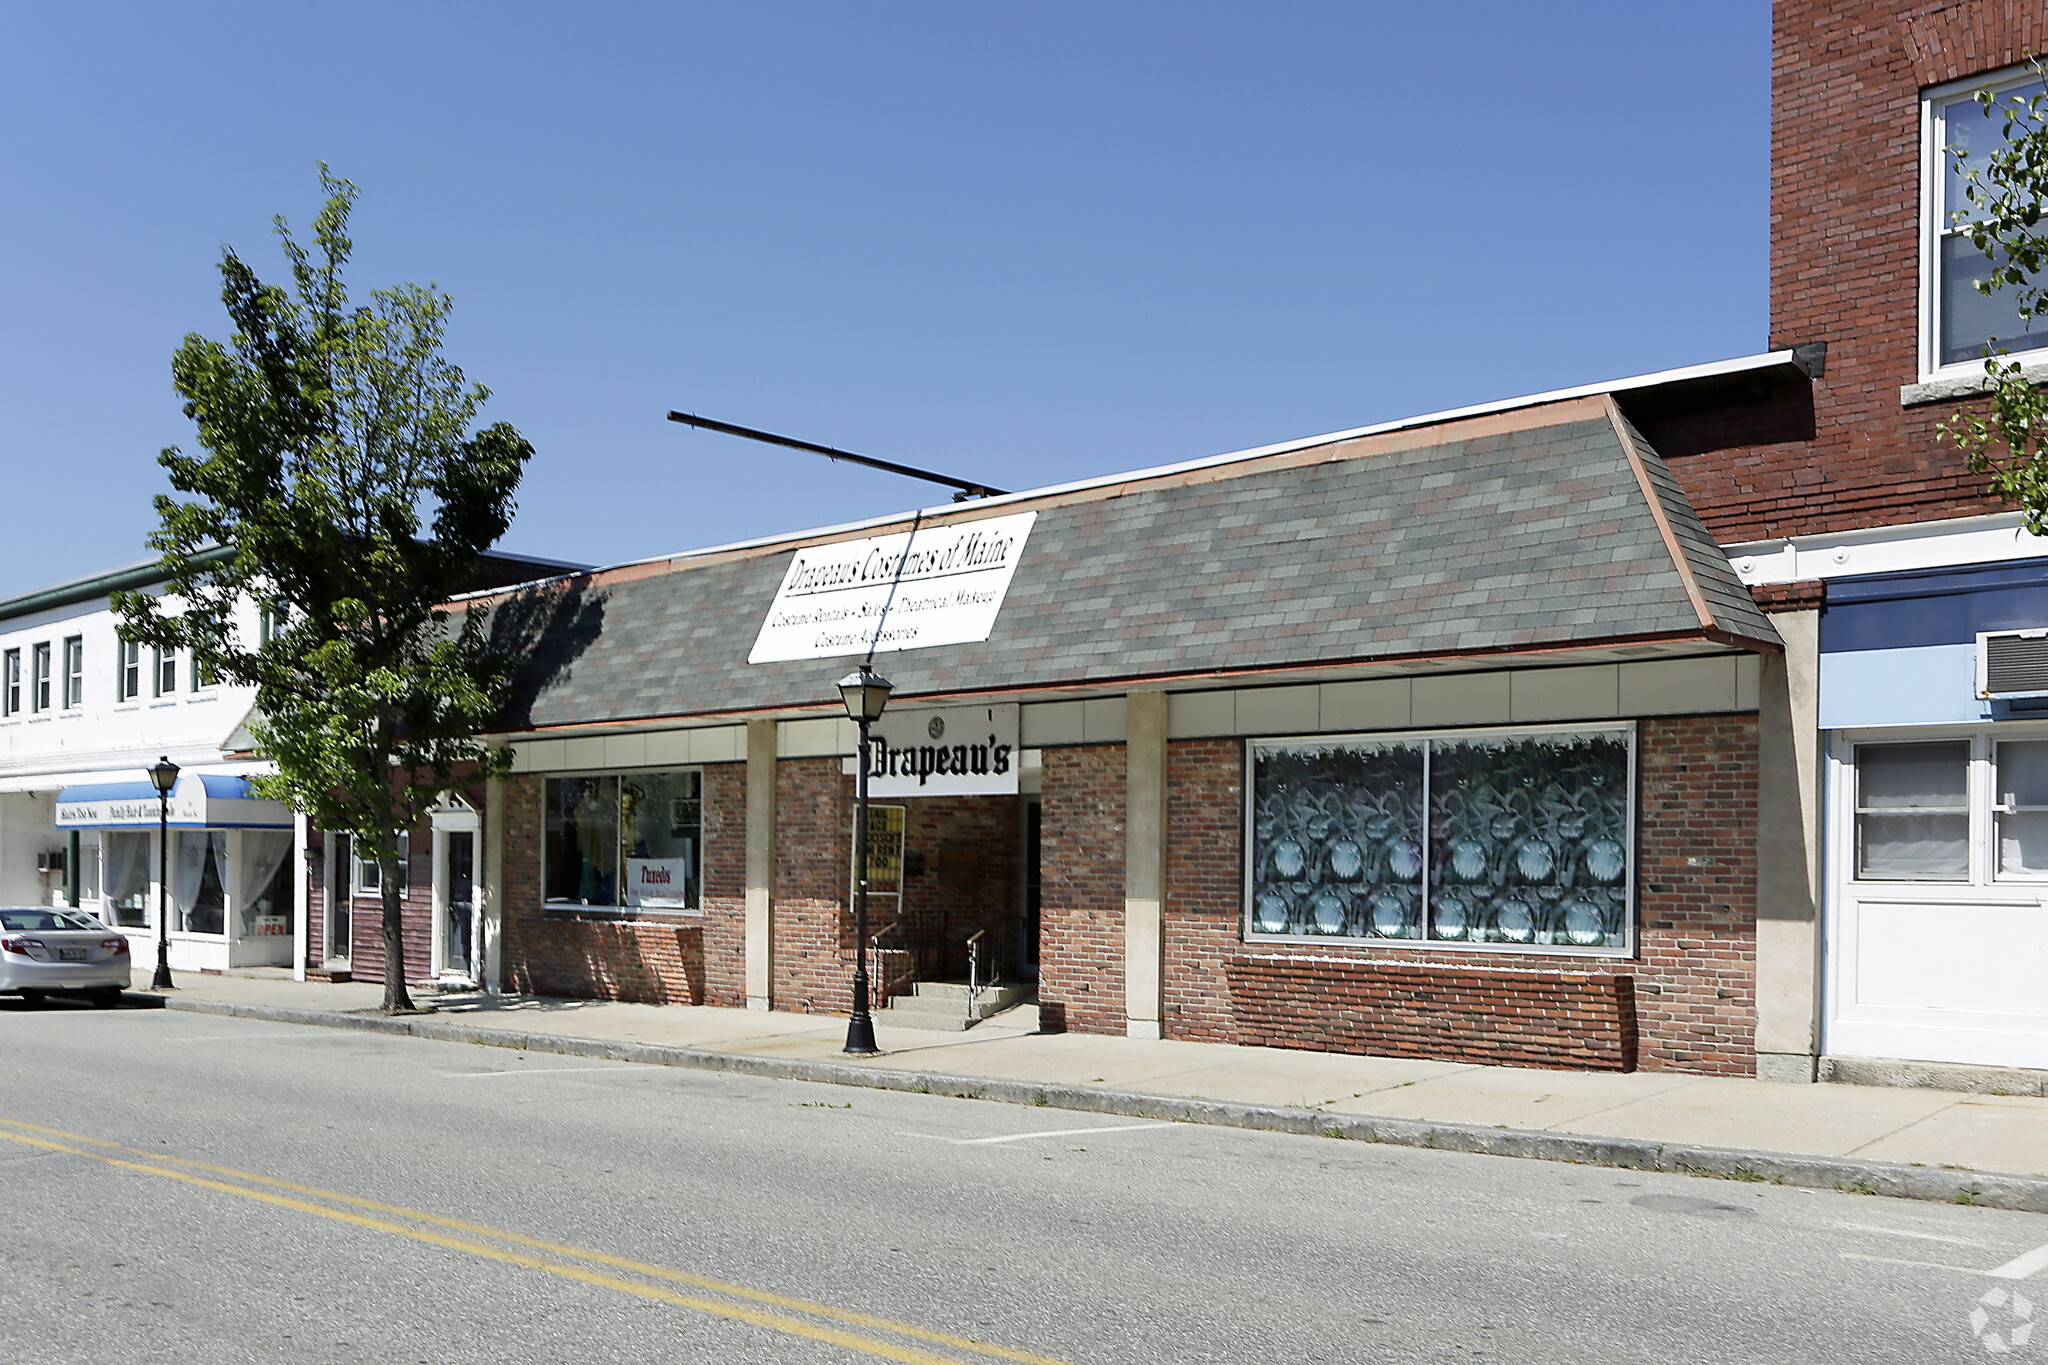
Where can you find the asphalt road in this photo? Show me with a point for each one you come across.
(182, 1187)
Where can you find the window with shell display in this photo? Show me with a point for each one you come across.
(1506, 840)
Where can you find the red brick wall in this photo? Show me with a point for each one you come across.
(724, 925)
(813, 966)
(1696, 874)
(1579, 1020)
(1845, 246)
(1692, 983)
(1081, 916)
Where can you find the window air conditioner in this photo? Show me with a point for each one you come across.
(51, 862)
(2012, 663)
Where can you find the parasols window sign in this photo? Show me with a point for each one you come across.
(937, 585)
(1495, 839)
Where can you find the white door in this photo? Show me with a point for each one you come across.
(456, 905)
(1938, 926)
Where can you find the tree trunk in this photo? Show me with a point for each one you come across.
(396, 997)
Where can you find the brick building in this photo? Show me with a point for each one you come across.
(1439, 739)
(1680, 722)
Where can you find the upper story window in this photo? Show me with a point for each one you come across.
(130, 672)
(74, 672)
(166, 683)
(10, 683)
(1957, 322)
(39, 678)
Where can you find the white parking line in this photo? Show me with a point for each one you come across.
(545, 1071)
(1924, 1265)
(2020, 1267)
(1902, 1232)
(1057, 1132)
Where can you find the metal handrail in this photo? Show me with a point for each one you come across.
(882, 982)
(975, 985)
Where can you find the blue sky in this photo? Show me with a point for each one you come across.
(1024, 243)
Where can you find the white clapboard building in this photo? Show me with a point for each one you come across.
(83, 716)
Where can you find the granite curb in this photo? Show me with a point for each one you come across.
(1933, 1184)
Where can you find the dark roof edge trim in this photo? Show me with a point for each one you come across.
(79, 590)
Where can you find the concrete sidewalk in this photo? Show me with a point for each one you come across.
(1919, 1143)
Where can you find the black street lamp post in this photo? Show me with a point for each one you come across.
(865, 693)
(165, 776)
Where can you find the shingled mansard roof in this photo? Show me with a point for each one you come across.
(1544, 532)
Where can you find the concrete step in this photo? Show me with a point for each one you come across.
(992, 997)
(942, 1006)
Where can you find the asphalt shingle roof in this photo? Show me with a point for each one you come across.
(1473, 537)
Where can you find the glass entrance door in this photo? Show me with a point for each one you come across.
(457, 866)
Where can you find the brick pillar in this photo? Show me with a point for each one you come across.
(1144, 863)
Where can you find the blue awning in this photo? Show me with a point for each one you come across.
(199, 801)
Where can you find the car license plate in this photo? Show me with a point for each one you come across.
(71, 954)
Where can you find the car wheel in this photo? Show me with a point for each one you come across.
(31, 997)
(105, 998)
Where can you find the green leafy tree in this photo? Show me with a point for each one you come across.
(342, 472)
(2005, 195)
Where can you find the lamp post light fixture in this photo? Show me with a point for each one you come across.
(164, 776)
(865, 693)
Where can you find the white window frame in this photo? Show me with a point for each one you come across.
(1626, 731)
(1982, 799)
(1934, 217)
(10, 682)
(163, 662)
(621, 910)
(365, 875)
(74, 672)
(128, 670)
(40, 667)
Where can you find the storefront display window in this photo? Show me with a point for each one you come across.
(630, 841)
(263, 897)
(1507, 840)
(198, 880)
(126, 874)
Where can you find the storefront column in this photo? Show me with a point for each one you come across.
(301, 897)
(1144, 863)
(760, 862)
(493, 925)
(1788, 853)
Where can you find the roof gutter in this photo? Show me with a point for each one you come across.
(101, 585)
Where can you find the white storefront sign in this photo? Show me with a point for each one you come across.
(659, 883)
(940, 585)
(944, 751)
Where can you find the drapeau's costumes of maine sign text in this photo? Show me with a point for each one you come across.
(939, 585)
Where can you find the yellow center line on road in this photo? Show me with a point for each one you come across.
(157, 1165)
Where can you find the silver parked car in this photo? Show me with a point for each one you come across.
(44, 950)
